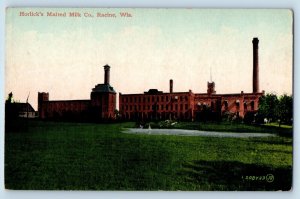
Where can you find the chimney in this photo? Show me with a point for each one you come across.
(255, 65)
(106, 75)
(171, 86)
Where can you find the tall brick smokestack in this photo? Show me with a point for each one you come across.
(106, 75)
(255, 65)
(171, 86)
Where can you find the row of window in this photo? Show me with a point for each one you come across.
(173, 107)
(238, 105)
(162, 107)
(165, 98)
(66, 106)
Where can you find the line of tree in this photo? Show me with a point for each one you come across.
(273, 108)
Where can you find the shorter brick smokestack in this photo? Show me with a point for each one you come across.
(106, 74)
(171, 86)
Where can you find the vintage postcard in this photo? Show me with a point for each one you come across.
(149, 99)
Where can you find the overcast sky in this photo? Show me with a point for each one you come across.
(65, 55)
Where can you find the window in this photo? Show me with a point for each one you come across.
(237, 103)
(153, 107)
(176, 107)
(226, 105)
(162, 98)
(162, 107)
(186, 106)
(167, 107)
(252, 105)
(245, 106)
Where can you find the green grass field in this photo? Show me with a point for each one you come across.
(70, 156)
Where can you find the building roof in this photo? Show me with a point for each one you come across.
(103, 88)
(153, 91)
(22, 107)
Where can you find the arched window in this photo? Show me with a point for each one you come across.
(252, 105)
(226, 105)
(245, 106)
(237, 103)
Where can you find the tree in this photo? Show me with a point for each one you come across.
(9, 98)
(117, 113)
(11, 111)
(275, 108)
(284, 110)
(267, 107)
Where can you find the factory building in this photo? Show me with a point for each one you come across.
(100, 106)
(155, 104)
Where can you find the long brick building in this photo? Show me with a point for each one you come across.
(155, 104)
(101, 105)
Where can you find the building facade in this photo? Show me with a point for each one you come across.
(100, 106)
(155, 104)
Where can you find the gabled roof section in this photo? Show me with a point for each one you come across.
(103, 88)
(22, 107)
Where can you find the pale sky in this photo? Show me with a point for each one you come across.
(65, 55)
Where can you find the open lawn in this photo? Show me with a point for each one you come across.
(71, 156)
